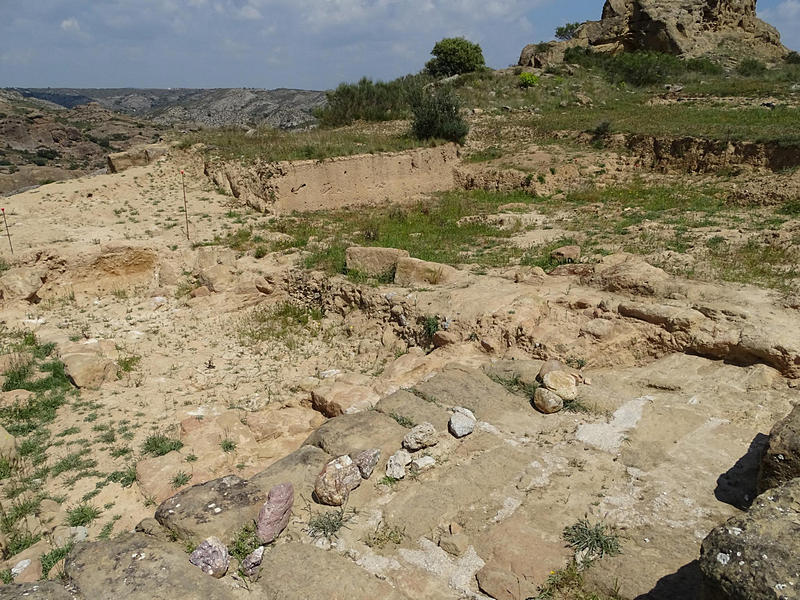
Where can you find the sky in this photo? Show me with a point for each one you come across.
(307, 44)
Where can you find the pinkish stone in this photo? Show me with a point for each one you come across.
(274, 515)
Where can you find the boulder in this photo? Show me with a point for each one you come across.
(88, 369)
(546, 401)
(275, 513)
(135, 566)
(421, 436)
(781, 460)
(462, 423)
(211, 556)
(412, 271)
(138, 156)
(20, 284)
(335, 482)
(753, 556)
(26, 566)
(444, 338)
(562, 383)
(373, 261)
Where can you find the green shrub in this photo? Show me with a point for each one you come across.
(793, 58)
(750, 67)
(639, 68)
(159, 445)
(704, 65)
(528, 80)
(437, 116)
(454, 56)
(567, 31)
(368, 100)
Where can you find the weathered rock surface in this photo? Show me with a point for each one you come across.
(42, 590)
(413, 271)
(8, 445)
(338, 398)
(353, 433)
(373, 261)
(274, 515)
(220, 507)
(308, 572)
(781, 461)
(421, 436)
(252, 561)
(138, 156)
(211, 556)
(405, 404)
(754, 556)
(137, 567)
(335, 482)
(366, 461)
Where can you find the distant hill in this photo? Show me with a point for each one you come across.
(280, 108)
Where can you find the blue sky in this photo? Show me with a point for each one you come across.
(312, 44)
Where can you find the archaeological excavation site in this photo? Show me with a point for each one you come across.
(548, 350)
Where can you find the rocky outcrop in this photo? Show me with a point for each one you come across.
(781, 460)
(685, 28)
(754, 556)
(138, 156)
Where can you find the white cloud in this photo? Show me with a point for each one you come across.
(71, 25)
(785, 15)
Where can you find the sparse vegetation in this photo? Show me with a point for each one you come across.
(180, 479)
(385, 535)
(437, 115)
(596, 540)
(244, 542)
(283, 322)
(402, 421)
(82, 514)
(328, 524)
(567, 31)
(159, 445)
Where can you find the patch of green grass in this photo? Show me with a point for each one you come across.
(180, 479)
(388, 481)
(128, 362)
(516, 386)
(244, 542)
(126, 477)
(82, 514)
(402, 421)
(284, 322)
(50, 559)
(6, 576)
(540, 256)
(74, 461)
(757, 263)
(328, 524)
(596, 540)
(159, 445)
(485, 155)
(228, 445)
(385, 535)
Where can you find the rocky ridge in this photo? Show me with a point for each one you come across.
(688, 29)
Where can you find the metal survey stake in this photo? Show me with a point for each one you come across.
(8, 233)
(185, 206)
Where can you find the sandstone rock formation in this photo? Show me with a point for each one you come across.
(781, 461)
(685, 28)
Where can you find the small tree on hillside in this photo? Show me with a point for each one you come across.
(437, 115)
(568, 31)
(454, 56)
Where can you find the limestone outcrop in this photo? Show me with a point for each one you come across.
(689, 29)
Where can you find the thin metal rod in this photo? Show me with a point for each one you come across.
(8, 233)
(185, 205)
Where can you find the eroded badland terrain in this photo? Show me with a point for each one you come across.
(546, 363)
